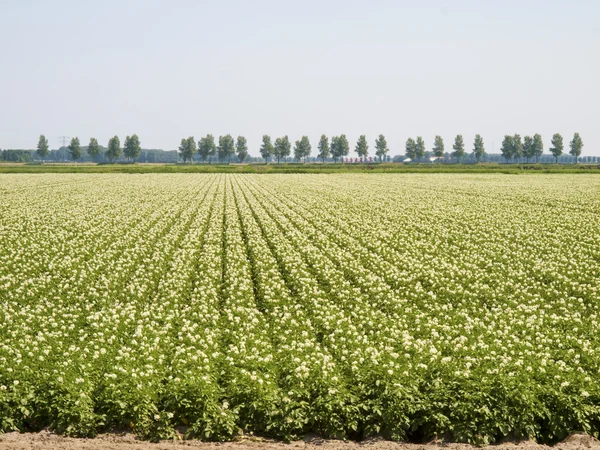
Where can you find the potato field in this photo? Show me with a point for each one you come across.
(408, 306)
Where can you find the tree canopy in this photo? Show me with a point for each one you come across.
(557, 146)
(323, 147)
(187, 148)
(478, 147)
(93, 148)
(132, 148)
(42, 147)
(207, 147)
(381, 147)
(114, 149)
(266, 149)
(362, 147)
(241, 148)
(458, 147)
(75, 149)
(302, 148)
(576, 145)
(282, 148)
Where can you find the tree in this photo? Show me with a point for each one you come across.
(538, 147)
(517, 150)
(114, 149)
(75, 149)
(507, 147)
(557, 146)
(226, 147)
(339, 147)
(323, 148)
(241, 148)
(266, 149)
(381, 147)
(438, 148)
(411, 149)
(207, 147)
(362, 147)
(302, 148)
(187, 148)
(528, 148)
(478, 147)
(576, 145)
(458, 147)
(93, 148)
(419, 148)
(132, 148)
(282, 148)
(42, 147)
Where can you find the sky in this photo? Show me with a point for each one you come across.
(171, 69)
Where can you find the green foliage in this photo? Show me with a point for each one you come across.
(557, 146)
(302, 148)
(478, 147)
(576, 145)
(187, 148)
(42, 147)
(132, 147)
(282, 148)
(528, 148)
(114, 149)
(517, 150)
(75, 149)
(266, 148)
(538, 146)
(207, 147)
(226, 147)
(323, 147)
(419, 148)
(93, 148)
(362, 147)
(381, 147)
(339, 147)
(507, 148)
(458, 147)
(410, 149)
(241, 148)
(438, 148)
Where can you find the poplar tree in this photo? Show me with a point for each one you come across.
(478, 147)
(458, 147)
(557, 146)
(132, 148)
(576, 145)
(538, 146)
(381, 147)
(323, 148)
(241, 148)
(266, 149)
(93, 148)
(207, 147)
(75, 149)
(438, 148)
(114, 149)
(42, 147)
(362, 147)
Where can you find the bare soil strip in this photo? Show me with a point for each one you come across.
(46, 440)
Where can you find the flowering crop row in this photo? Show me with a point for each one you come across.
(408, 306)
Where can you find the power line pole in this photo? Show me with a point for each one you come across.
(64, 140)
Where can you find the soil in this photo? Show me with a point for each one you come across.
(46, 440)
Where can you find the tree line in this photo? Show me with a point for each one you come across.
(337, 148)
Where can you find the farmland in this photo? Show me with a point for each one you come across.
(462, 306)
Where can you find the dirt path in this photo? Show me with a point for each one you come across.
(44, 440)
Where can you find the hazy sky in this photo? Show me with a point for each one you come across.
(171, 69)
